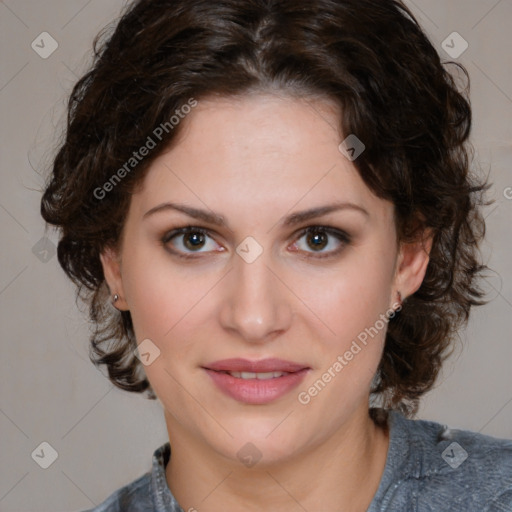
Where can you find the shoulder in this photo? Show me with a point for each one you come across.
(149, 493)
(135, 497)
(468, 470)
(455, 469)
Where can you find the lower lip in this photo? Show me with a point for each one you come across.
(255, 391)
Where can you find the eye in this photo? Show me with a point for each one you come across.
(320, 237)
(189, 239)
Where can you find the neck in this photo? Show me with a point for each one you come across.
(340, 473)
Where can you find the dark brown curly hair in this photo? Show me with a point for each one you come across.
(371, 57)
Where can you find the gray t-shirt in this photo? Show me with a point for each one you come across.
(429, 468)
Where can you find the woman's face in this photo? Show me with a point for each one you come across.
(251, 286)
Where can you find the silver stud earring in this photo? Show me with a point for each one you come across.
(116, 297)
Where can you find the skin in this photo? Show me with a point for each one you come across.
(255, 160)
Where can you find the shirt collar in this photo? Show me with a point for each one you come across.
(163, 499)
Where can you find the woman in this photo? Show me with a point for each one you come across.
(275, 197)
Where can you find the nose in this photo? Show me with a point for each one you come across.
(256, 304)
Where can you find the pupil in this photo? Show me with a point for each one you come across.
(318, 237)
(198, 240)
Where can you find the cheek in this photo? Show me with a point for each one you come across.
(348, 359)
(169, 304)
(158, 292)
(352, 297)
(165, 305)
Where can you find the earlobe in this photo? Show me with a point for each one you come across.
(111, 264)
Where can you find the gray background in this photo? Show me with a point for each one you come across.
(49, 391)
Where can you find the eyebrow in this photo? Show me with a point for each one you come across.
(291, 220)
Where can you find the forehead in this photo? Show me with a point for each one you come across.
(256, 152)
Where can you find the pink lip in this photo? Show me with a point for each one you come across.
(264, 365)
(255, 391)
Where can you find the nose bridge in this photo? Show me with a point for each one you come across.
(255, 305)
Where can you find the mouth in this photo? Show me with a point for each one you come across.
(259, 376)
(256, 382)
(269, 365)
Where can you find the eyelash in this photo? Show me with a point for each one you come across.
(342, 236)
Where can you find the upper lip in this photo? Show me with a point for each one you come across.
(261, 366)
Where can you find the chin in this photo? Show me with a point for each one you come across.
(262, 443)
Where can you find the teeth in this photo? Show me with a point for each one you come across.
(259, 376)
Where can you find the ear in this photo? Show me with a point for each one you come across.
(111, 263)
(412, 263)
